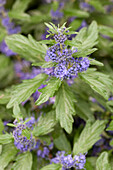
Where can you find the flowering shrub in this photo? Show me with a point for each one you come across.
(56, 85)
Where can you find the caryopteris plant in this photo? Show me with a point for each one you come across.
(57, 106)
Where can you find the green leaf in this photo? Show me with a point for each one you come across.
(90, 163)
(77, 13)
(99, 82)
(26, 133)
(110, 127)
(85, 40)
(21, 5)
(8, 154)
(45, 64)
(102, 162)
(62, 143)
(48, 91)
(1, 126)
(23, 161)
(0, 149)
(5, 96)
(46, 123)
(17, 15)
(95, 62)
(89, 136)
(24, 90)
(110, 102)
(83, 110)
(97, 5)
(6, 138)
(28, 48)
(16, 111)
(6, 70)
(3, 33)
(106, 30)
(52, 167)
(51, 27)
(65, 107)
(111, 143)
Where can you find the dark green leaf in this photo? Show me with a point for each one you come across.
(89, 136)
(65, 107)
(24, 90)
(49, 90)
(62, 143)
(1, 126)
(83, 110)
(6, 70)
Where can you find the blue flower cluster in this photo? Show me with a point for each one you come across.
(87, 7)
(67, 66)
(20, 140)
(57, 14)
(24, 71)
(67, 161)
(10, 28)
(44, 151)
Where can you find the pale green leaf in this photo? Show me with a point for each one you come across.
(45, 124)
(99, 82)
(76, 12)
(49, 90)
(65, 107)
(110, 127)
(24, 90)
(102, 162)
(23, 161)
(52, 167)
(6, 138)
(21, 5)
(95, 62)
(9, 152)
(16, 111)
(85, 40)
(28, 48)
(105, 30)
